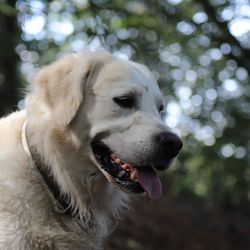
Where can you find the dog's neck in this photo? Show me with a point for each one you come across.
(60, 203)
(76, 177)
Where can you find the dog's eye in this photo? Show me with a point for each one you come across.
(125, 101)
(161, 108)
(162, 111)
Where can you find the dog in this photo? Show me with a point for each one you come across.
(90, 137)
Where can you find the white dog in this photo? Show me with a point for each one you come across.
(91, 134)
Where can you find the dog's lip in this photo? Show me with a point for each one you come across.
(112, 171)
(128, 177)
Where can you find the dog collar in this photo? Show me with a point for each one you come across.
(61, 204)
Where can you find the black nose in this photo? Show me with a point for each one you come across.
(168, 144)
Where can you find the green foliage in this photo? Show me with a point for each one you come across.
(201, 67)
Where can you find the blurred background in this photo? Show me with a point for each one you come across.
(199, 51)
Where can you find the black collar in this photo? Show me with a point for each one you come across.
(61, 203)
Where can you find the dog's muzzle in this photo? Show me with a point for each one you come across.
(138, 176)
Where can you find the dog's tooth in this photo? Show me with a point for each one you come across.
(126, 167)
(123, 166)
(113, 156)
(118, 161)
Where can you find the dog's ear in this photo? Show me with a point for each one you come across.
(57, 89)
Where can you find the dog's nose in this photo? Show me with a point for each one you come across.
(168, 143)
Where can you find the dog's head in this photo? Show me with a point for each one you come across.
(115, 108)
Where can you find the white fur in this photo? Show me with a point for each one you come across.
(69, 102)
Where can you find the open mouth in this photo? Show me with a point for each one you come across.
(128, 177)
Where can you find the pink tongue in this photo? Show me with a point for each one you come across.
(150, 182)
